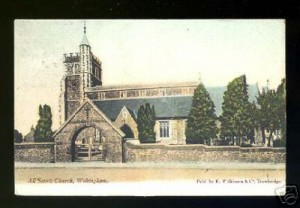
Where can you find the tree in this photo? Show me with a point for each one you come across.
(281, 93)
(271, 112)
(43, 132)
(237, 119)
(18, 137)
(141, 123)
(263, 113)
(145, 124)
(201, 123)
(253, 122)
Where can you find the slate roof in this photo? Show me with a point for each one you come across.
(166, 107)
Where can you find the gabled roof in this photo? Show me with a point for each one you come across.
(30, 135)
(133, 115)
(97, 109)
(168, 106)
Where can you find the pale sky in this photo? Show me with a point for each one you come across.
(143, 51)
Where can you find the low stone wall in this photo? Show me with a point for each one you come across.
(135, 152)
(34, 152)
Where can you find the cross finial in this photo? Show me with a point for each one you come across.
(87, 110)
(84, 28)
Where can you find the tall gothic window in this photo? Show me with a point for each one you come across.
(164, 129)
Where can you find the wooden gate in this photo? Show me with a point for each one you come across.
(89, 152)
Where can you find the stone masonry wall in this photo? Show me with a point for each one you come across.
(178, 153)
(34, 152)
(63, 140)
(44, 153)
(128, 120)
(72, 94)
(177, 132)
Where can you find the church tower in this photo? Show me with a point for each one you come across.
(83, 71)
(85, 61)
(90, 65)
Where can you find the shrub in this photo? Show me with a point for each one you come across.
(145, 124)
(43, 132)
(18, 137)
(246, 145)
(279, 143)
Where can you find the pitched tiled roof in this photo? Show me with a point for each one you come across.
(166, 107)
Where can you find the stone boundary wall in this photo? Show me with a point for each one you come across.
(135, 152)
(34, 152)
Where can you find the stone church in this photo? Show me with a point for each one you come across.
(96, 119)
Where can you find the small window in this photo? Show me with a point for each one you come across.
(162, 92)
(102, 95)
(164, 129)
(123, 94)
(147, 92)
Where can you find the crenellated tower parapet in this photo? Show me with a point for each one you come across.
(72, 63)
(82, 70)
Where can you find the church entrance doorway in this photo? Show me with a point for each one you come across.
(87, 145)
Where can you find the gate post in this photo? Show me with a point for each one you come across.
(54, 152)
(90, 148)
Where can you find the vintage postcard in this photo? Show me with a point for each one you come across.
(150, 107)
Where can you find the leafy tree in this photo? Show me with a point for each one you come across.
(251, 122)
(274, 124)
(145, 124)
(43, 132)
(18, 137)
(281, 93)
(263, 113)
(237, 120)
(269, 105)
(201, 124)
